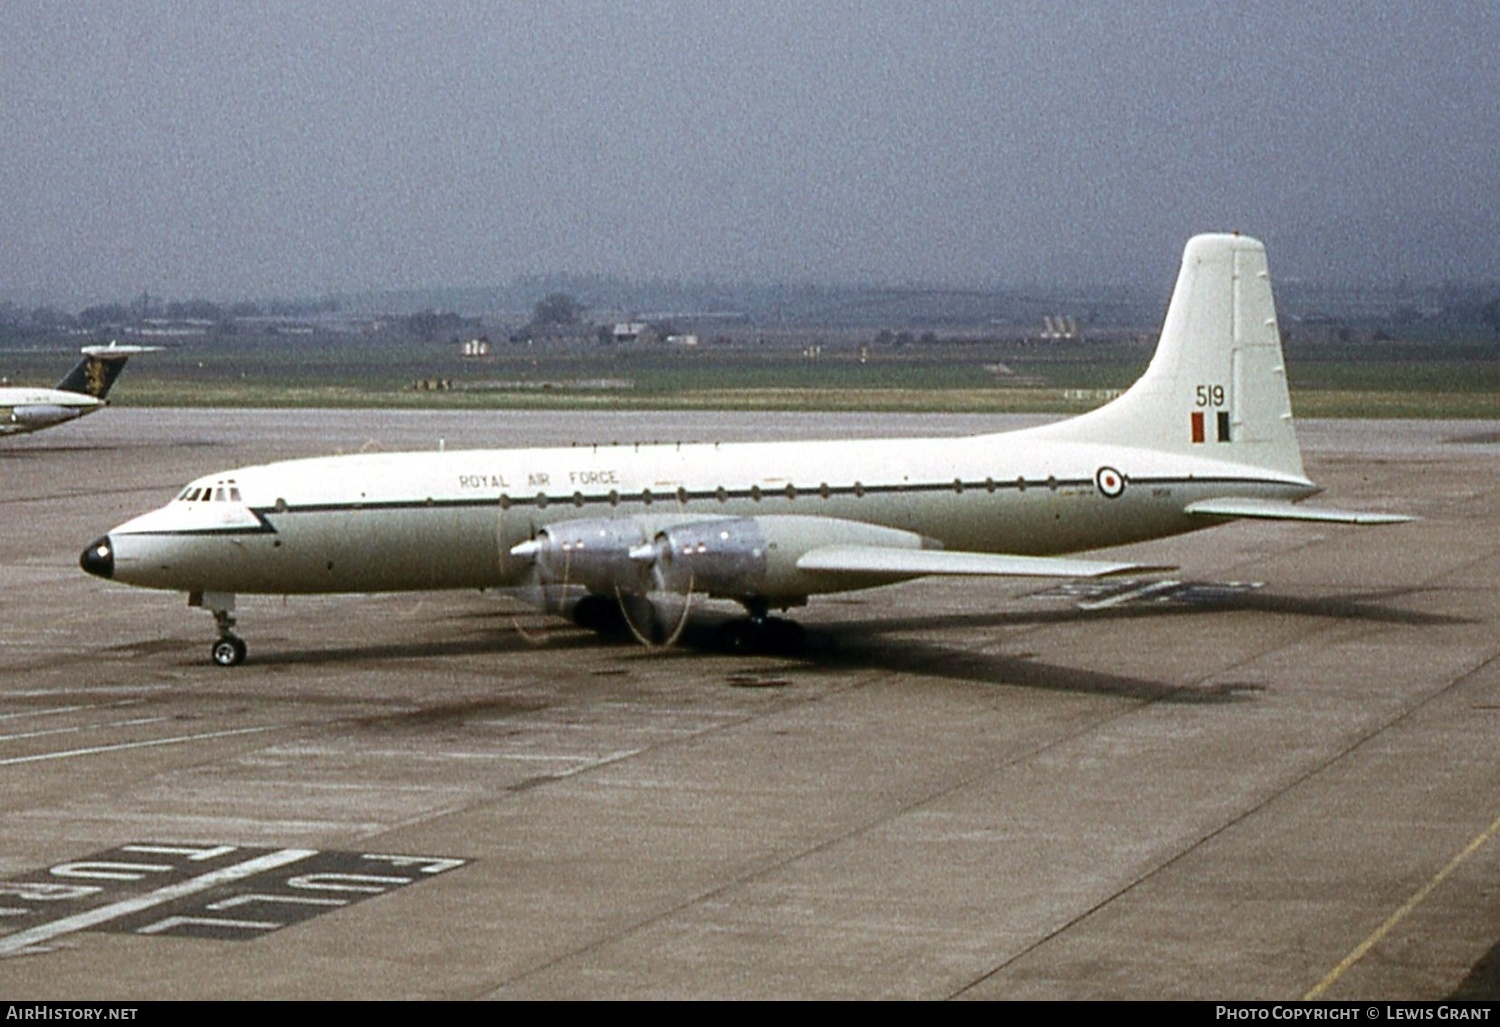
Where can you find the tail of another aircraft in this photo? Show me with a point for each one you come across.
(100, 366)
(1217, 384)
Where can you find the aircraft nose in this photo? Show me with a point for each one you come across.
(99, 558)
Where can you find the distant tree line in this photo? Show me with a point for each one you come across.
(432, 324)
(103, 316)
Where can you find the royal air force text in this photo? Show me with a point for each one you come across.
(540, 479)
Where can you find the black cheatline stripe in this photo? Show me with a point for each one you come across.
(671, 498)
(768, 493)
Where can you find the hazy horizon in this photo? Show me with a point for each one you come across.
(226, 152)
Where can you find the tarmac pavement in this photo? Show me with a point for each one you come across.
(1267, 774)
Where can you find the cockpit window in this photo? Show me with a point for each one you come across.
(228, 492)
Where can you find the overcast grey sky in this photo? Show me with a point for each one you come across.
(231, 150)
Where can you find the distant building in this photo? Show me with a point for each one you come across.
(476, 349)
(627, 331)
(1059, 327)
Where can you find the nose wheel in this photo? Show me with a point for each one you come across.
(229, 651)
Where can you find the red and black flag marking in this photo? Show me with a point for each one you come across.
(1199, 428)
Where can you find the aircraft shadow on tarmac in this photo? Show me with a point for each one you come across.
(864, 644)
(1371, 607)
(496, 641)
(882, 643)
(1483, 981)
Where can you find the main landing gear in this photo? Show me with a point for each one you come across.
(755, 633)
(760, 633)
(228, 649)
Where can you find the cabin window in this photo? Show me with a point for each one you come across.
(646, 496)
(681, 494)
(614, 498)
(1020, 483)
(989, 484)
(1052, 482)
(958, 485)
(541, 500)
(721, 494)
(280, 505)
(791, 491)
(504, 501)
(859, 490)
(578, 499)
(755, 493)
(824, 490)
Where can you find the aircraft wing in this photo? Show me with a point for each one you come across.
(890, 560)
(1274, 510)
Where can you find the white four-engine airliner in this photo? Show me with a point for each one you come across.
(25, 409)
(1205, 436)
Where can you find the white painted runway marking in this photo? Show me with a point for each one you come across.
(53, 711)
(42, 713)
(82, 727)
(95, 750)
(183, 889)
(1143, 592)
(23, 940)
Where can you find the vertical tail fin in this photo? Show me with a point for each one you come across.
(100, 366)
(1217, 384)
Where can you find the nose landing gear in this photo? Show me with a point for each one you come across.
(228, 649)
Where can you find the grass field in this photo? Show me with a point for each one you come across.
(1459, 380)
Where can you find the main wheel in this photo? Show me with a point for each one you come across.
(738, 636)
(770, 636)
(601, 614)
(782, 637)
(229, 651)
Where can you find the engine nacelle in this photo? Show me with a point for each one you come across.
(593, 553)
(741, 558)
(43, 415)
(756, 557)
(727, 557)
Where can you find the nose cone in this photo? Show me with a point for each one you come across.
(99, 558)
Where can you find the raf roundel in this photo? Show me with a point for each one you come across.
(1110, 482)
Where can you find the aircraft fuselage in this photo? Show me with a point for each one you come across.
(26, 410)
(442, 520)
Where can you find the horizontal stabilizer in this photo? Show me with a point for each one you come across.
(114, 351)
(1274, 510)
(883, 560)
